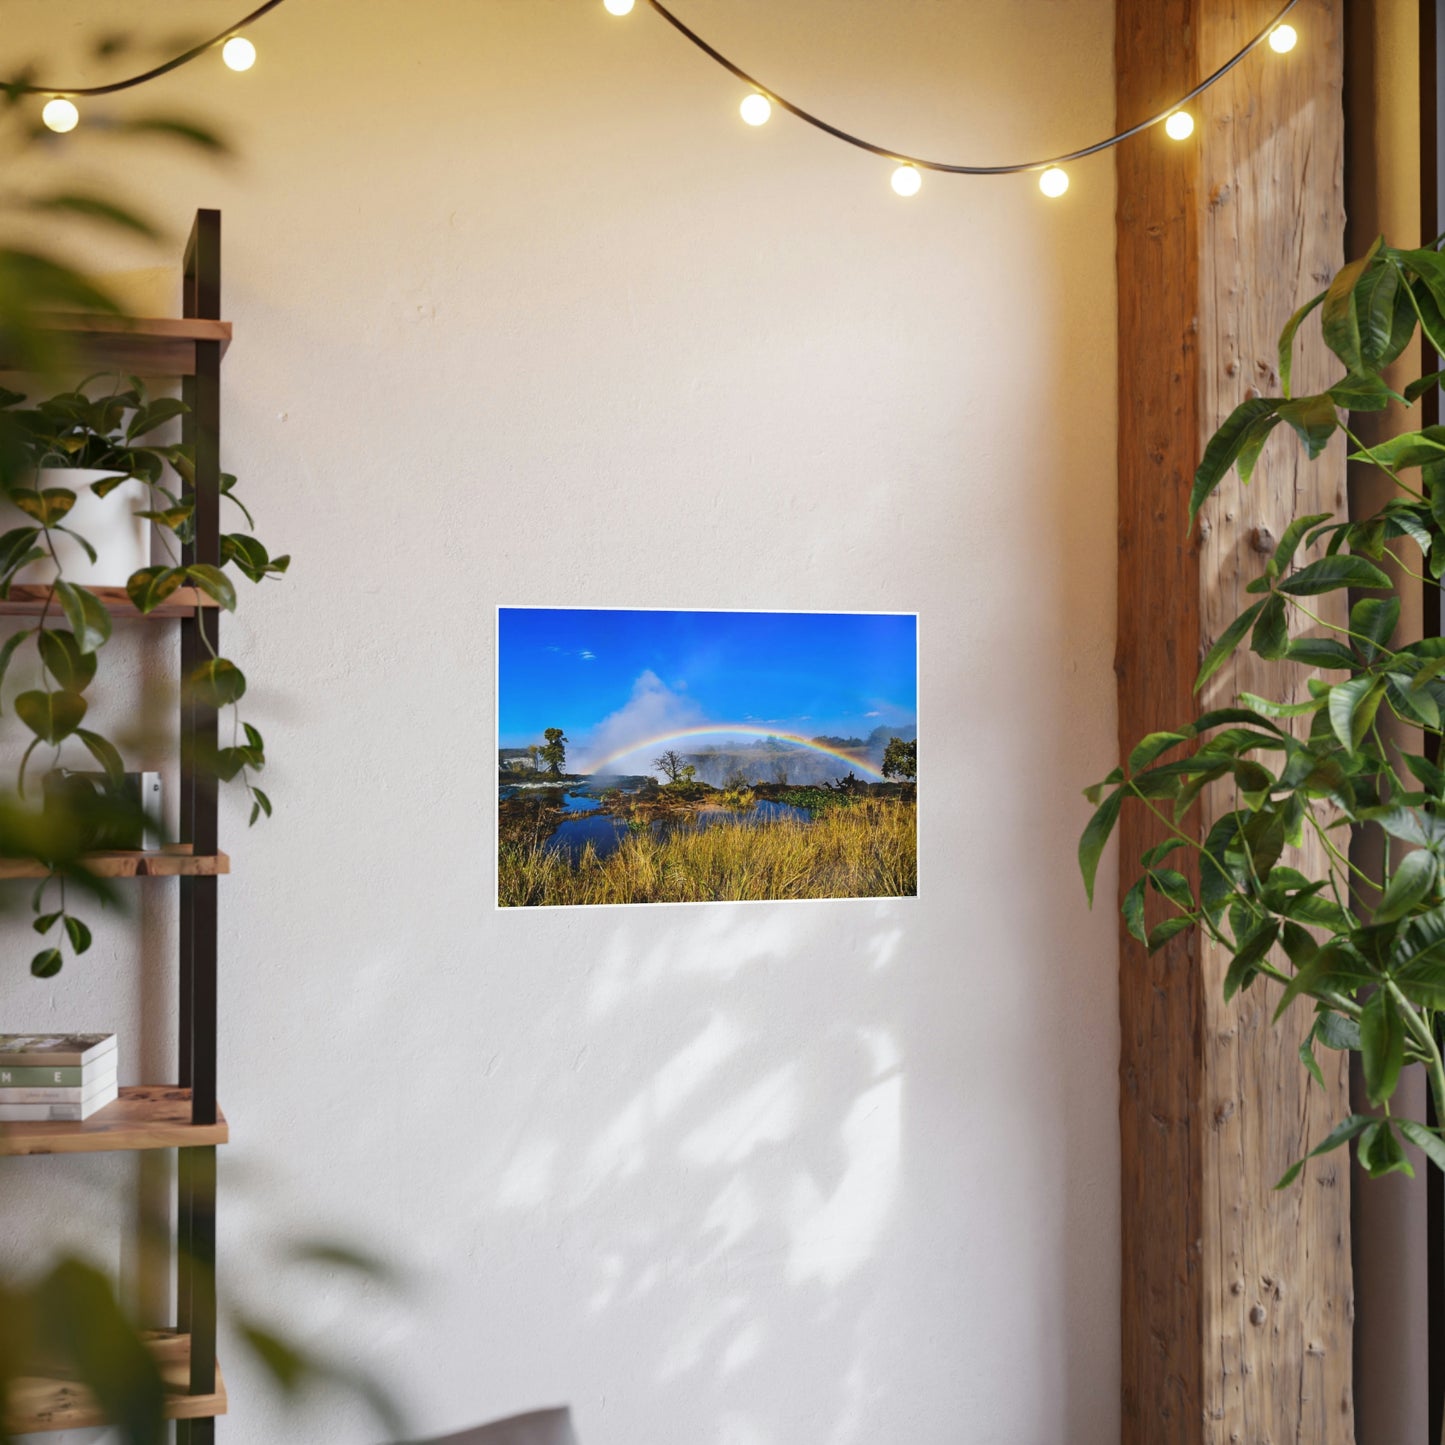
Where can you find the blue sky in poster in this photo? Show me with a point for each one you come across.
(614, 678)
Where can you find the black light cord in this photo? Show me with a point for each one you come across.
(175, 63)
(961, 170)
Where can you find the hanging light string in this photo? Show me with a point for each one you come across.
(61, 114)
(222, 38)
(1053, 181)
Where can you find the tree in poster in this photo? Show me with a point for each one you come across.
(554, 751)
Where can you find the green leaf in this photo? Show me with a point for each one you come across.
(1431, 776)
(1413, 880)
(1419, 387)
(1409, 449)
(1289, 542)
(71, 668)
(1374, 618)
(154, 414)
(1332, 969)
(46, 963)
(1374, 300)
(86, 207)
(1095, 836)
(1219, 654)
(214, 583)
(1313, 419)
(1338, 321)
(1307, 1057)
(1320, 652)
(1224, 448)
(89, 621)
(47, 921)
(1244, 966)
(1286, 340)
(216, 683)
(1361, 393)
(262, 802)
(1382, 1046)
(51, 716)
(1280, 709)
(149, 587)
(78, 934)
(8, 650)
(1335, 1031)
(1427, 1141)
(1381, 1153)
(1331, 573)
(1353, 706)
(1271, 631)
(1133, 910)
(1293, 1172)
(1163, 932)
(104, 752)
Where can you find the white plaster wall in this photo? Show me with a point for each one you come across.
(525, 314)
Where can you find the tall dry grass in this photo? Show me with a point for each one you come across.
(866, 851)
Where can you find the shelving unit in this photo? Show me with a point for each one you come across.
(183, 1116)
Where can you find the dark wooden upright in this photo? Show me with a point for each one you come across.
(1236, 1300)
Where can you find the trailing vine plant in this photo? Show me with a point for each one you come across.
(1375, 975)
(110, 432)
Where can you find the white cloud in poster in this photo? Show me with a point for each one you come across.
(654, 710)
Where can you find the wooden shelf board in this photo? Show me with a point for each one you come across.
(146, 1116)
(151, 345)
(28, 600)
(178, 861)
(40, 1402)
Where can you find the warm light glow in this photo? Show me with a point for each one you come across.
(756, 109)
(907, 181)
(1180, 125)
(239, 53)
(1283, 38)
(60, 114)
(1054, 182)
(618, 7)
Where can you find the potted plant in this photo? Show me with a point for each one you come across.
(1374, 974)
(98, 444)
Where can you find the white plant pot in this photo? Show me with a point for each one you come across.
(122, 540)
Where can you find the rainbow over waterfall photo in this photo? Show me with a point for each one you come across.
(659, 756)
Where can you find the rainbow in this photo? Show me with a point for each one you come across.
(603, 765)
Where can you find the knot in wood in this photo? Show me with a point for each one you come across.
(1263, 540)
(1258, 1315)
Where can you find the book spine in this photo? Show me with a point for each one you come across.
(70, 1077)
(48, 1096)
(39, 1060)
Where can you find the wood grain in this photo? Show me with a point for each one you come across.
(29, 600)
(150, 346)
(51, 1402)
(177, 861)
(146, 1116)
(1236, 1300)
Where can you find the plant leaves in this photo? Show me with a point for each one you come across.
(1331, 573)
(1224, 448)
(1231, 637)
(89, 621)
(1095, 836)
(1412, 881)
(149, 587)
(51, 716)
(1382, 1045)
(105, 753)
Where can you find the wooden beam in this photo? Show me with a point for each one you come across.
(1236, 1300)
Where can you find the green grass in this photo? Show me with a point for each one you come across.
(866, 851)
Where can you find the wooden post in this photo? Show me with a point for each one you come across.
(1236, 1300)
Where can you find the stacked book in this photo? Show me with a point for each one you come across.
(56, 1077)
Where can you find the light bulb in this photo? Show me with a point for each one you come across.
(60, 114)
(1054, 182)
(907, 181)
(1179, 126)
(619, 7)
(1283, 38)
(756, 109)
(239, 53)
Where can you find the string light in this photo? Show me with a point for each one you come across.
(239, 53)
(1054, 182)
(60, 114)
(756, 109)
(907, 180)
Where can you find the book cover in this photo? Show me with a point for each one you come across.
(71, 1076)
(37, 1050)
(77, 1094)
(57, 1113)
